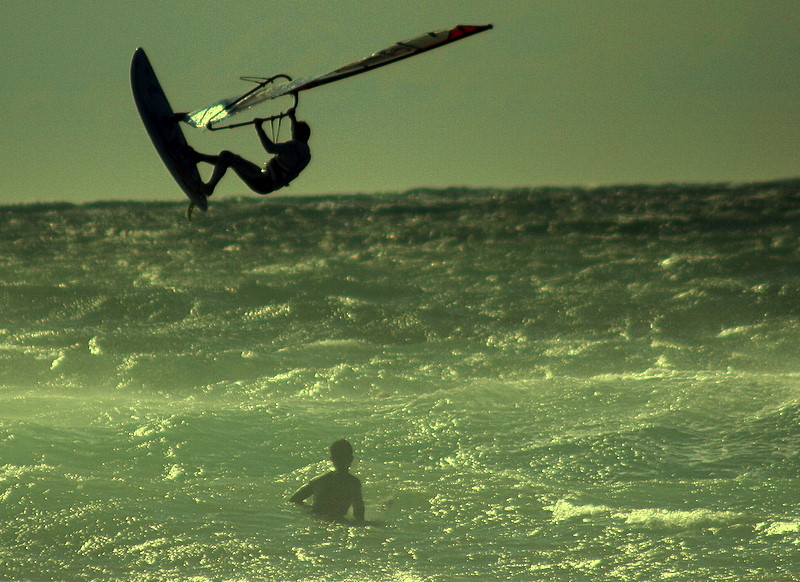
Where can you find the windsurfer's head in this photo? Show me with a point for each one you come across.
(301, 131)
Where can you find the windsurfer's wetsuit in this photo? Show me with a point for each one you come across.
(290, 158)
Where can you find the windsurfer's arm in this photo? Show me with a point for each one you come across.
(292, 115)
(267, 143)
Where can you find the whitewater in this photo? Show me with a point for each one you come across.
(540, 384)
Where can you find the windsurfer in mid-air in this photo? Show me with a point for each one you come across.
(289, 159)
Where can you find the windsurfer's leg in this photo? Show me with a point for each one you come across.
(198, 157)
(259, 181)
(207, 158)
(250, 174)
(221, 164)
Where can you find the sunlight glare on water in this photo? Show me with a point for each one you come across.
(552, 384)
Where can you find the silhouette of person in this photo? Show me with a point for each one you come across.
(290, 158)
(336, 491)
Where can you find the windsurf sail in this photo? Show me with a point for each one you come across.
(274, 87)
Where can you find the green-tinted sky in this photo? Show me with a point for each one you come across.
(561, 92)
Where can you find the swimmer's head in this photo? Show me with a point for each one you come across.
(342, 454)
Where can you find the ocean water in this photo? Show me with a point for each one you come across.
(543, 384)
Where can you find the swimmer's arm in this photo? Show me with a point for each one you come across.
(302, 494)
(358, 504)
